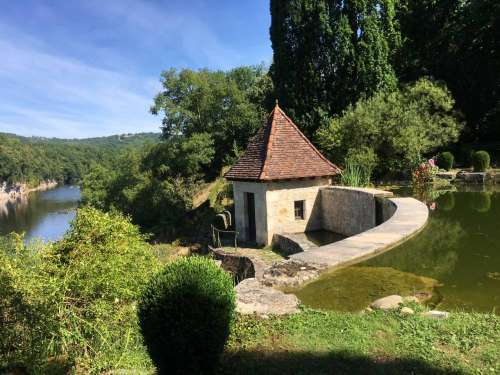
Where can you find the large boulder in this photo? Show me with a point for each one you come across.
(387, 303)
(252, 297)
(291, 273)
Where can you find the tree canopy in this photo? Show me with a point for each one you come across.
(394, 129)
(329, 54)
(228, 107)
(457, 41)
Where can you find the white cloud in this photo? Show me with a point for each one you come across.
(46, 94)
(92, 68)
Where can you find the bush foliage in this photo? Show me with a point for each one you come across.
(480, 161)
(399, 127)
(445, 160)
(185, 315)
(74, 299)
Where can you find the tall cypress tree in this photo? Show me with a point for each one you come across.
(329, 53)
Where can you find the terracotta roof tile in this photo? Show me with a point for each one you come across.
(280, 151)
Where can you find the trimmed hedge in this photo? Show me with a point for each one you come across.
(480, 161)
(445, 160)
(185, 314)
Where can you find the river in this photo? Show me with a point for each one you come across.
(44, 215)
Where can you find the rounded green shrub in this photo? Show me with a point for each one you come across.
(185, 313)
(445, 160)
(480, 161)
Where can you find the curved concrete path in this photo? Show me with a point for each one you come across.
(409, 218)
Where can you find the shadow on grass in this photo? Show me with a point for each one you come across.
(291, 363)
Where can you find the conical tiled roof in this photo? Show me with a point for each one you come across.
(279, 151)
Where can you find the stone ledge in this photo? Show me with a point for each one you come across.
(409, 218)
(370, 191)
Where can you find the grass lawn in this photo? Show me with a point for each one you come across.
(266, 255)
(318, 342)
(167, 252)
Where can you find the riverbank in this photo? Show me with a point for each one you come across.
(20, 190)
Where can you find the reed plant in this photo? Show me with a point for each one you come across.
(355, 175)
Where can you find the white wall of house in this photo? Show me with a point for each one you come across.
(274, 207)
(281, 197)
(240, 210)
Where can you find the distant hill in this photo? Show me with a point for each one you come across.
(33, 160)
(112, 141)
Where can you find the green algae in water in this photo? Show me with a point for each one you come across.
(354, 288)
(459, 247)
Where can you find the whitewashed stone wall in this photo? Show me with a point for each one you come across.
(343, 210)
(274, 207)
(281, 197)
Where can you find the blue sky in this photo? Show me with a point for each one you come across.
(75, 69)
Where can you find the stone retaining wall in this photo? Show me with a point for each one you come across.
(349, 211)
(240, 267)
(384, 209)
(344, 210)
(409, 217)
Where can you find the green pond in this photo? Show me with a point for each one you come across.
(456, 257)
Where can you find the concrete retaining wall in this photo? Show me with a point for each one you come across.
(349, 211)
(292, 243)
(409, 217)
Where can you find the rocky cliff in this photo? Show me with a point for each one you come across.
(19, 190)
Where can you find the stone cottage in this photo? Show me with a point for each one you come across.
(276, 182)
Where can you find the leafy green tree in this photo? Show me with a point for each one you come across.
(399, 127)
(154, 186)
(456, 41)
(329, 54)
(226, 105)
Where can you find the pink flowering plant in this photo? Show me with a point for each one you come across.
(424, 173)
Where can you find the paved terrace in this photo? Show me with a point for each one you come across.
(409, 218)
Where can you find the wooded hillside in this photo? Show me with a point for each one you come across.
(34, 159)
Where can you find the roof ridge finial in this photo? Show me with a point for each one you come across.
(276, 102)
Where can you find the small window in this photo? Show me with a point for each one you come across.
(299, 210)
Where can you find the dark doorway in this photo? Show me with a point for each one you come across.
(251, 216)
